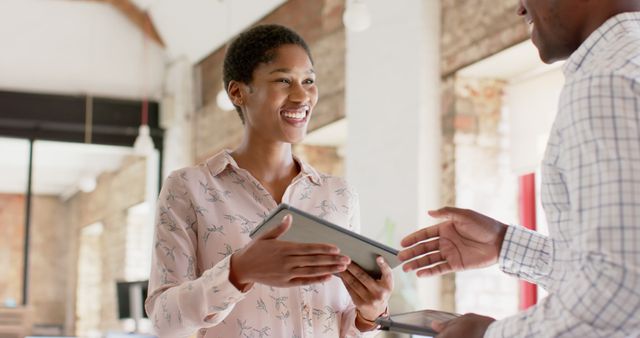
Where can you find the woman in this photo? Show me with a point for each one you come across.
(207, 274)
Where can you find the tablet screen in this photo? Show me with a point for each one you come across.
(422, 318)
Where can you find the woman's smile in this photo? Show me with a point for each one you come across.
(296, 116)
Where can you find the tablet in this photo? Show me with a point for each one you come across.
(417, 322)
(307, 228)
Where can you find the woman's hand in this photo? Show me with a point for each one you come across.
(270, 261)
(370, 296)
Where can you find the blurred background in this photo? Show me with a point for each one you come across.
(423, 103)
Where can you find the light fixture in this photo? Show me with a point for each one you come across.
(356, 16)
(87, 184)
(223, 101)
(143, 145)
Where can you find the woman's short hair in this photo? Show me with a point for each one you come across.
(253, 47)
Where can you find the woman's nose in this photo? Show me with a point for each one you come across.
(298, 93)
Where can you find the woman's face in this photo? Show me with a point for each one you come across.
(279, 101)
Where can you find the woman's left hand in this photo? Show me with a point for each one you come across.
(370, 296)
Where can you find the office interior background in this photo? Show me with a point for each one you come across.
(423, 103)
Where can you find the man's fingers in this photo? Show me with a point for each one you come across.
(423, 261)
(438, 326)
(419, 250)
(436, 270)
(279, 230)
(445, 212)
(421, 235)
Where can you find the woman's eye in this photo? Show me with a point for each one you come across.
(309, 81)
(287, 81)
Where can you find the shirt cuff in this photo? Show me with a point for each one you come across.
(217, 279)
(494, 330)
(525, 254)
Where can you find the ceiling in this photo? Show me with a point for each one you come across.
(88, 47)
(195, 28)
(78, 47)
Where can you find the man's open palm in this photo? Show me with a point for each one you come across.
(464, 240)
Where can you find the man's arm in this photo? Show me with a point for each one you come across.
(600, 161)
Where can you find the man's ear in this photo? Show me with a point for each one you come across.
(236, 94)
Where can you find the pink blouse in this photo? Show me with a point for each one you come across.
(204, 215)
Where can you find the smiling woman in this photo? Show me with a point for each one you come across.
(204, 257)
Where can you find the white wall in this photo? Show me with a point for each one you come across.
(532, 103)
(393, 145)
(75, 47)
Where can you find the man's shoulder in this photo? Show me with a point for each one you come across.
(621, 59)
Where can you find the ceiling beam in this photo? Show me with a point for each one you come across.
(138, 17)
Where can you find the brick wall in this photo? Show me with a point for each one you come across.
(484, 183)
(325, 159)
(471, 31)
(474, 30)
(320, 24)
(47, 272)
(108, 204)
(11, 246)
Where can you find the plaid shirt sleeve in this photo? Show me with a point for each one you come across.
(591, 264)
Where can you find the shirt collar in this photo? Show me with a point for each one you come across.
(597, 41)
(219, 162)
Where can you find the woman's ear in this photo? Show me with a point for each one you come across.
(236, 94)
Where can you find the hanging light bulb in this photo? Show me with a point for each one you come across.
(143, 145)
(356, 16)
(87, 184)
(223, 101)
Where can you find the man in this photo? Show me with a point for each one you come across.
(590, 264)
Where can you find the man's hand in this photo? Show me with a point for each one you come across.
(469, 325)
(270, 261)
(464, 240)
(370, 296)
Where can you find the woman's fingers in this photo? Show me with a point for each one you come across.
(314, 271)
(354, 287)
(299, 281)
(279, 230)
(387, 273)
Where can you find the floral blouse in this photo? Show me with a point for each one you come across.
(204, 214)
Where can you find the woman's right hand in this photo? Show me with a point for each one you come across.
(270, 261)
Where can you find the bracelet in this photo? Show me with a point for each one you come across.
(368, 322)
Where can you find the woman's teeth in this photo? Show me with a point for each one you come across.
(296, 115)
